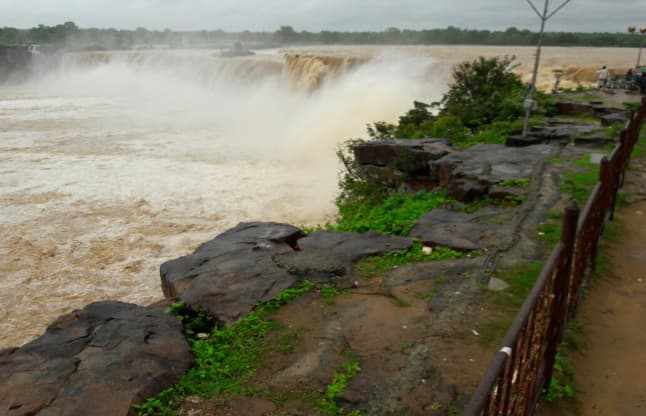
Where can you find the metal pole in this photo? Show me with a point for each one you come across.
(530, 95)
(639, 56)
(529, 100)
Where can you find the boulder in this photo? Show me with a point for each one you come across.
(326, 255)
(97, 361)
(460, 231)
(405, 155)
(470, 174)
(618, 117)
(227, 276)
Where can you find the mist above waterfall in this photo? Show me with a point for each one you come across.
(120, 161)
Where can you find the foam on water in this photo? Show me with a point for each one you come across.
(110, 167)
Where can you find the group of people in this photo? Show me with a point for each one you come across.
(637, 80)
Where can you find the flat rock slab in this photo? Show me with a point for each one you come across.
(469, 174)
(325, 255)
(405, 155)
(227, 276)
(97, 361)
(460, 231)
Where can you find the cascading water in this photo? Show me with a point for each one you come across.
(112, 163)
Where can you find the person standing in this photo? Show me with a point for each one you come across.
(602, 75)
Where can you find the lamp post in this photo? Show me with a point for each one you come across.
(642, 30)
(530, 104)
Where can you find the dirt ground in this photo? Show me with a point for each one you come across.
(609, 369)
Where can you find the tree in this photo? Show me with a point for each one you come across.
(286, 34)
(483, 91)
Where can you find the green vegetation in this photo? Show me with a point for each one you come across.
(563, 375)
(483, 91)
(289, 340)
(561, 383)
(521, 183)
(329, 294)
(401, 303)
(380, 265)
(521, 279)
(328, 405)
(394, 215)
(225, 359)
(195, 323)
(613, 131)
(578, 183)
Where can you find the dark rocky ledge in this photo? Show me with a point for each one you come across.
(253, 262)
(96, 361)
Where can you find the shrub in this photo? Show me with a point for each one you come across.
(483, 91)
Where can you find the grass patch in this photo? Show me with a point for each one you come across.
(550, 232)
(579, 183)
(226, 359)
(329, 294)
(395, 215)
(521, 279)
(380, 265)
(521, 183)
(401, 303)
(562, 379)
(328, 404)
(289, 340)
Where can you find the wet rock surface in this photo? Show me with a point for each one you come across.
(402, 161)
(461, 231)
(96, 361)
(230, 274)
(471, 173)
(325, 255)
(253, 262)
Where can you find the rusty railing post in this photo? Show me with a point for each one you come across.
(562, 288)
(608, 191)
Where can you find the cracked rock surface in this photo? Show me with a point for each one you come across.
(96, 361)
(253, 262)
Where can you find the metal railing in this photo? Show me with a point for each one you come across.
(521, 370)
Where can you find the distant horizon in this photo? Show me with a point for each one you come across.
(298, 30)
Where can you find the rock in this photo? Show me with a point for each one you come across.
(460, 231)
(402, 162)
(497, 285)
(227, 276)
(517, 140)
(385, 175)
(405, 155)
(468, 190)
(97, 361)
(595, 158)
(614, 118)
(324, 256)
(505, 192)
(561, 133)
(593, 141)
(470, 173)
(353, 246)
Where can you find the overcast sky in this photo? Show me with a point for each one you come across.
(315, 15)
